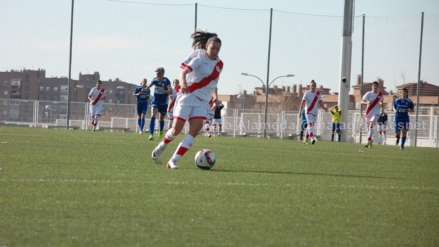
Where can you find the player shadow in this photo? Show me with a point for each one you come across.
(303, 173)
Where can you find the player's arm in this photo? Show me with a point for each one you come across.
(216, 102)
(136, 94)
(411, 108)
(323, 106)
(184, 87)
(395, 107)
(90, 98)
(168, 90)
(381, 107)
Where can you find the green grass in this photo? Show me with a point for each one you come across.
(77, 188)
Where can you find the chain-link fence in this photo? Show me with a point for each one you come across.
(236, 122)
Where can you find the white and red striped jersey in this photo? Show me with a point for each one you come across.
(96, 96)
(171, 100)
(204, 74)
(374, 107)
(312, 101)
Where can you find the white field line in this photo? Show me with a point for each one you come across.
(373, 187)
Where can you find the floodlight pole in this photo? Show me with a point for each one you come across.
(70, 67)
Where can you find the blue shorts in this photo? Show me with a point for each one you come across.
(336, 126)
(402, 124)
(142, 107)
(162, 109)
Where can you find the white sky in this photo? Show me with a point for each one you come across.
(127, 39)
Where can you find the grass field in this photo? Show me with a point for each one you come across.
(77, 188)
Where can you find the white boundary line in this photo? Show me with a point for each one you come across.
(414, 187)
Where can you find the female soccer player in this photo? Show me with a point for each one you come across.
(198, 84)
(312, 99)
(374, 101)
(142, 96)
(402, 106)
(96, 97)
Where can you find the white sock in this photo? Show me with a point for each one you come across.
(184, 145)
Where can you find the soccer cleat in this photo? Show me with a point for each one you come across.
(151, 137)
(219, 134)
(209, 136)
(305, 141)
(313, 141)
(402, 148)
(157, 151)
(161, 134)
(172, 165)
(367, 144)
(140, 132)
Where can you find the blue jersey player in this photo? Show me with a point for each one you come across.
(159, 102)
(402, 106)
(142, 94)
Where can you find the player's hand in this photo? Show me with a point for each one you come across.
(184, 88)
(299, 114)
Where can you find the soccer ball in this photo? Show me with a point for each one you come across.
(205, 159)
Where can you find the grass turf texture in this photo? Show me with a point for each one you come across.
(77, 188)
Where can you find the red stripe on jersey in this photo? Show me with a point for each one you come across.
(375, 101)
(99, 97)
(313, 103)
(206, 80)
(185, 66)
(171, 105)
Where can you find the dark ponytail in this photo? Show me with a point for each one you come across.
(201, 38)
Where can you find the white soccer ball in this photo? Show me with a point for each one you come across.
(205, 159)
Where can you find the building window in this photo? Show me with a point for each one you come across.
(14, 111)
(63, 97)
(6, 83)
(55, 89)
(15, 102)
(6, 93)
(47, 89)
(64, 89)
(5, 102)
(55, 98)
(41, 88)
(110, 101)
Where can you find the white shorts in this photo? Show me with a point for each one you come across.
(189, 107)
(373, 119)
(95, 110)
(217, 121)
(382, 127)
(310, 119)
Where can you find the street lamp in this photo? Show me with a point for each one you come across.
(267, 86)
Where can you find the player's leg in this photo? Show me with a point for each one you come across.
(142, 120)
(152, 122)
(384, 134)
(404, 132)
(170, 118)
(333, 130)
(196, 121)
(398, 128)
(311, 119)
(180, 116)
(161, 125)
(207, 128)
